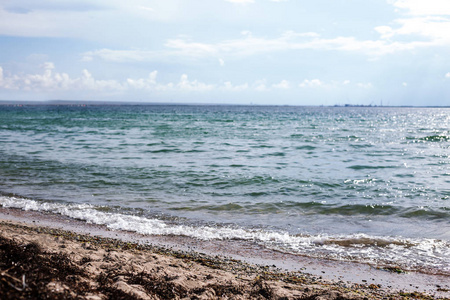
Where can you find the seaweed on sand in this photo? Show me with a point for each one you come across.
(25, 272)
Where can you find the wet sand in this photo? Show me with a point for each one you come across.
(45, 254)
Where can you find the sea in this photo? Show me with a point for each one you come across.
(363, 184)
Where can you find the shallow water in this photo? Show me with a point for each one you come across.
(364, 184)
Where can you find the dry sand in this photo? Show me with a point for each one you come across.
(40, 262)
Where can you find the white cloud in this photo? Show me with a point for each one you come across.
(7, 82)
(85, 19)
(221, 62)
(26, 6)
(87, 81)
(249, 45)
(48, 66)
(186, 85)
(51, 81)
(311, 83)
(284, 84)
(429, 19)
(385, 31)
(367, 85)
(120, 55)
(42, 22)
(228, 86)
(260, 85)
(48, 80)
(423, 8)
(436, 29)
(317, 83)
(241, 1)
(148, 83)
(447, 75)
(145, 8)
(192, 48)
(424, 19)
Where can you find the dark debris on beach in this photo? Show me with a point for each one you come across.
(29, 272)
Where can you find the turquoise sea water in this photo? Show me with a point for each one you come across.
(348, 183)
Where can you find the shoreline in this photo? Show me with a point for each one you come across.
(96, 251)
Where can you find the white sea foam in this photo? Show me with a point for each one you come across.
(419, 253)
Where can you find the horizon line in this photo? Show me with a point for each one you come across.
(136, 103)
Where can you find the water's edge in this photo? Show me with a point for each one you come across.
(431, 256)
(333, 271)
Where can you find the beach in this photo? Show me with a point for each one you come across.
(41, 261)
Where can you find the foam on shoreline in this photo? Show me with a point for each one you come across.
(424, 255)
(332, 271)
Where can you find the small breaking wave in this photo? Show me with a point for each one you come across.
(417, 254)
(431, 138)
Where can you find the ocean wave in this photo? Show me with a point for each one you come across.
(313, 207)
(431, 138)
(410, 253)
(362, 167)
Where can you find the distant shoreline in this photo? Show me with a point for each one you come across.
(132, 103)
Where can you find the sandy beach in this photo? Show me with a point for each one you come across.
(48, 262)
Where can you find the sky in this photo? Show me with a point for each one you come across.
(277, 52)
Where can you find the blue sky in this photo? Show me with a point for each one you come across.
(294, 52)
